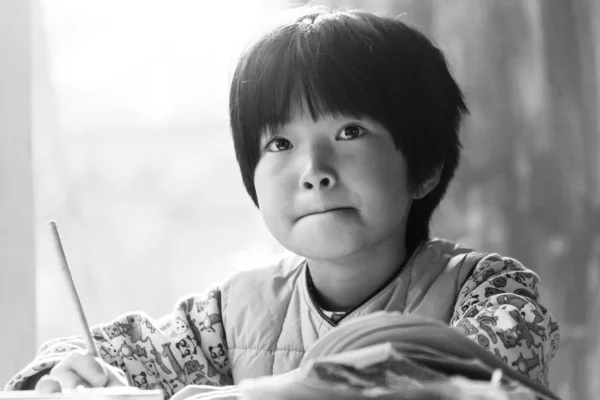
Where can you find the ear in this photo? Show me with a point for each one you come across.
(429, 184)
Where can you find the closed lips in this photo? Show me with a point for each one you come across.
(325, 211)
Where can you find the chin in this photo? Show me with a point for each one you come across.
(325, 247)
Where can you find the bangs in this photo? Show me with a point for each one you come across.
(324, 64)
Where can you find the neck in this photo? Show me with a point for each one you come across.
(342, 285)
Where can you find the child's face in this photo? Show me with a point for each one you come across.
(333, 188)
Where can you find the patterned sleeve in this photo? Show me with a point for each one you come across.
(186, 347)
(498, 307)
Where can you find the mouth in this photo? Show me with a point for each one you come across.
(329, 210)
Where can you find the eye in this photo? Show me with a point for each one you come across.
(278, 144)
(351, 131)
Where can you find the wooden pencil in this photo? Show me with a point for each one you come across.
(87, 334)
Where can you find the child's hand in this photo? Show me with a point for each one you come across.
(80, 369)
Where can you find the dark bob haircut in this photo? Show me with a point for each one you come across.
(356, 64)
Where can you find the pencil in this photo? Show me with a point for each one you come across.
(87, 335)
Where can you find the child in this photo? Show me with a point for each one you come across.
(345, 127)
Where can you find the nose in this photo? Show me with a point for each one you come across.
(317, 182)
(318, 173)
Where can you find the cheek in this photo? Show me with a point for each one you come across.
(383, 183)
(265, 183)
(273, 194)
(381, 167)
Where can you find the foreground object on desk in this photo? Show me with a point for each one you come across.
(388, 356)
(394, 377)
(447, 391)
(374, 373)
(110, 393)
(205, 392)
(429, 343)
(274, 388)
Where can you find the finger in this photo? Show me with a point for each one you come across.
(86, 368)
(67, 379)
(47, 385)
(116, 377)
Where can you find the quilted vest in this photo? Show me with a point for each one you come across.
(271, 320)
